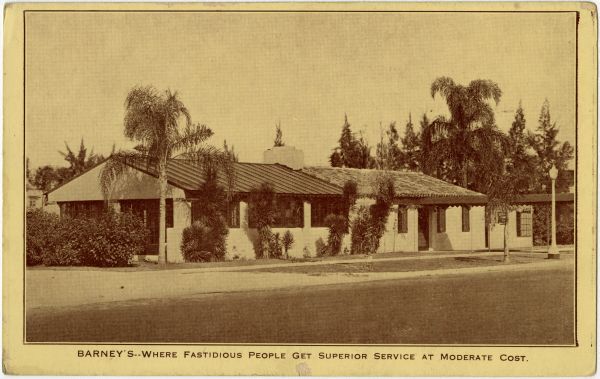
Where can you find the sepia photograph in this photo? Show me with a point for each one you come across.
(269, 176)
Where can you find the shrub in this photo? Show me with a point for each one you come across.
(287, 241)
(40, 235)
(106, 241)
(113, 239)
(204, 241)
(262, 215)
(362, 236)
(338, 225)
(321, 248)
(275, 246)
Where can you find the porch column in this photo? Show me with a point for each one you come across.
(182, 218)
(307, 227)
(413, 227)
(243, 215)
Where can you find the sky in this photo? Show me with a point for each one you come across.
(242, 73)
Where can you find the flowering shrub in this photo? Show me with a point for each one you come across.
(40, 235)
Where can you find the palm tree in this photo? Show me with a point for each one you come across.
(452, 147)
(155, 120)
(82, 161)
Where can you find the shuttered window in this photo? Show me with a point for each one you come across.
(402, 219)
(466, 220)
(441, 220)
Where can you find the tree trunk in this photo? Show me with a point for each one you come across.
(506, 249)
(162, 211)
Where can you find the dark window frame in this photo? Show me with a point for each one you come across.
(402, 219)
(466, 218)
(441, 220)
(524, 224)
(321, 208)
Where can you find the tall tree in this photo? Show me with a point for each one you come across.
(456, 144)
(388, 153)
(48, 177)
(411, 144)
(549, 151)
(353, 151)
(278, 136)
(520, 164)
(230, 152)
(81, 161)
(162, 125)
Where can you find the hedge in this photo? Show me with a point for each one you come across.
(109, 240)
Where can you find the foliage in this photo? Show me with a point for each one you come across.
(353, 151)
(369, 225)
(411, 143)
(80, 162)
(230, 153)
(337, 225)
(109, 240)
(362, 237)
(204, 241)
(321, 248)
(287, 241)
(262, 210)
(47, 177)
(389, 155)
(278, 136)
(548, 151)
(41, 236)
(565, 225)
(154, 120)
(520, 164)
(275, 246)
(453, 148)
(206, 238)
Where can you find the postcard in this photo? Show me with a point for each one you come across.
(327, 189)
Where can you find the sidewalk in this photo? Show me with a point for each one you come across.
(48, 288)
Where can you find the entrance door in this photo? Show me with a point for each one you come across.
(423, 228)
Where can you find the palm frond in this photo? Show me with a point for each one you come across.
(443, 85)
(115, 168)
(484, 89)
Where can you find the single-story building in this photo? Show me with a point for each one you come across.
(428, 213)
(34, 197)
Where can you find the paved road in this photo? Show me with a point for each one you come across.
(520, 307)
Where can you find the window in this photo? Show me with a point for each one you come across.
(321, 208)
(441, 220)
(232, 212)
(233, 216)
(32, 202)
(148, 211)
(466, 221)
(76, 209)
(524, 223)
(402, 219)
(288, 213)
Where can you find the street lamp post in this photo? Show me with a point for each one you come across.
(553, 250)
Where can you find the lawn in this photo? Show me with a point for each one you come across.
(401, 265)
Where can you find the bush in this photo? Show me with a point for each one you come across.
(287, 241)
(362, 236)
(204, 241)
(321, 248)
(112, 239)
(40, 234)
(338, 225)
(109, 240)
(275, 246)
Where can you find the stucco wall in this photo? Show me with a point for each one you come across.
(497, 234)
(133, 185)
(454, 238)
(182, 218)
(394, 241)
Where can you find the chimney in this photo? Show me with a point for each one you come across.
(286, 155)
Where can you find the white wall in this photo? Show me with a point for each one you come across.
(514, 242)
(134, 185)
(454, 238)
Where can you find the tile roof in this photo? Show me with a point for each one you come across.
(187, 175)
(544, 198)
(414, 186)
